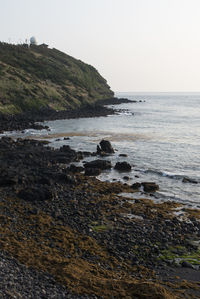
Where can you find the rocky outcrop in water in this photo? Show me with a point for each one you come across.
(122, 166)
(104, 148)
(150, 186)
(95, 167)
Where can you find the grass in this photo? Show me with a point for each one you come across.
(99, 228)
(180, 256)
(37, 76)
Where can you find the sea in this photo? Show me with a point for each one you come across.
(159, 133)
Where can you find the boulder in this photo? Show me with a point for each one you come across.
(122, 166)
(188, 180)
(62, 159)
(136, 186)
(87, 154)
(186, 264)
(8, 176)
(65, 178)
(67, 149)
(44, 181)
(74, 169)
(92, 171)
(150, 186)
(36, 194)
(8, 181)
(123, 155)
(66, 155)
(100, 164)
(99, 151)
(106, 147)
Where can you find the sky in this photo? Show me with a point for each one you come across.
(136, 45)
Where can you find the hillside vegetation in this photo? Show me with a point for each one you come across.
(36, 77)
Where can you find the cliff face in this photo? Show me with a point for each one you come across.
(36, 77)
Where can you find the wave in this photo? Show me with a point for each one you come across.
(125, 112)
(162, 196)
(183, 178)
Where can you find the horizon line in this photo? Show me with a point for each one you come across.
(157, 91)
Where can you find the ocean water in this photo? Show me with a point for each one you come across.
(160, 135)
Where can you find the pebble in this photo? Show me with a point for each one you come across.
(19, 281)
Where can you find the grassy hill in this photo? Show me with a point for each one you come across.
(36, 77)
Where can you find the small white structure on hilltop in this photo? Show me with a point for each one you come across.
(33, 41)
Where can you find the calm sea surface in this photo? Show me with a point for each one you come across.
(160, 135)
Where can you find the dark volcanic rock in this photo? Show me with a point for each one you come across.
(79, 207)
(28, 119)
(74, 169)
(106, 147)
(8, 178)
(92, 171)
(123, 166)
(188, 180)
(136, 186)
(116, 101)
(65, 178)
(65, 155)
(36, 193)
(123, 155)
(186, 264)
(99, 151)
(150, 186)
(67, 149)
(100, 164)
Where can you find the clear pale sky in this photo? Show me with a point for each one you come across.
(137, 45)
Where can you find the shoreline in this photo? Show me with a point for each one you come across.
(78, 229)
(29, 119)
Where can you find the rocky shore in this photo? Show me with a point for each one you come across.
(117, 101)
(65, 234)
(30, 119)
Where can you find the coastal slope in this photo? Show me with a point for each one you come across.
(33, 78)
